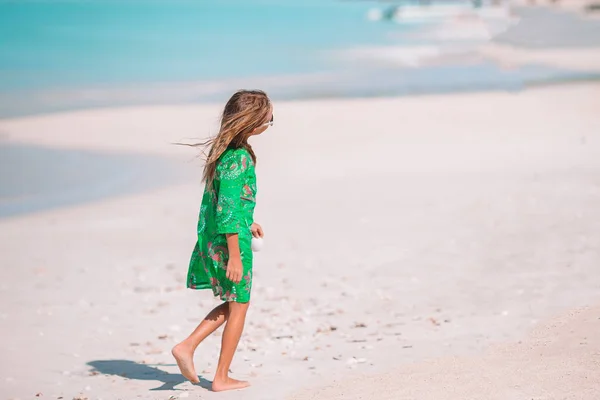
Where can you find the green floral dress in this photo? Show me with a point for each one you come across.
(227, 207)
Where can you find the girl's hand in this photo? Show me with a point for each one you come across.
(235, 269)
(257, 231)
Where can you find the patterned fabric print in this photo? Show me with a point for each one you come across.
(228, 207)
(201, 221)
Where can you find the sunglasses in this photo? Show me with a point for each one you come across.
(270, 122)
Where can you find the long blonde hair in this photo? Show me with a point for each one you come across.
(245, 111)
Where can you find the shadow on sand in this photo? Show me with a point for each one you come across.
(132, 370)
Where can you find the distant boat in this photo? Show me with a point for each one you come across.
(426, 11)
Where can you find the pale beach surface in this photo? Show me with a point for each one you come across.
(404, 237)
(559, 360)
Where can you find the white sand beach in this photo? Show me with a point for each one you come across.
(403, 238)
(559, 360)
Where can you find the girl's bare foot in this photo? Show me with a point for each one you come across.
(221, 385)
(185, 361)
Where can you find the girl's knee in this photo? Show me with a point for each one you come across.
(235, 307)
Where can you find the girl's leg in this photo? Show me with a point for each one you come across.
(231, 337)
(184, 351)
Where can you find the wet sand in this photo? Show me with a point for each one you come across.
(34, 178)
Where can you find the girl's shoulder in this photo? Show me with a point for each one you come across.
(235, 158)
(235, 151)
(234, 154)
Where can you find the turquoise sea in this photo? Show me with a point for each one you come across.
(60, 55)
(65, 54)
(58, 44)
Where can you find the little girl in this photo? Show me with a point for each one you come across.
(222, 258)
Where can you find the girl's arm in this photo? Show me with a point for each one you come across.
(235, 269)
(231, 171)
